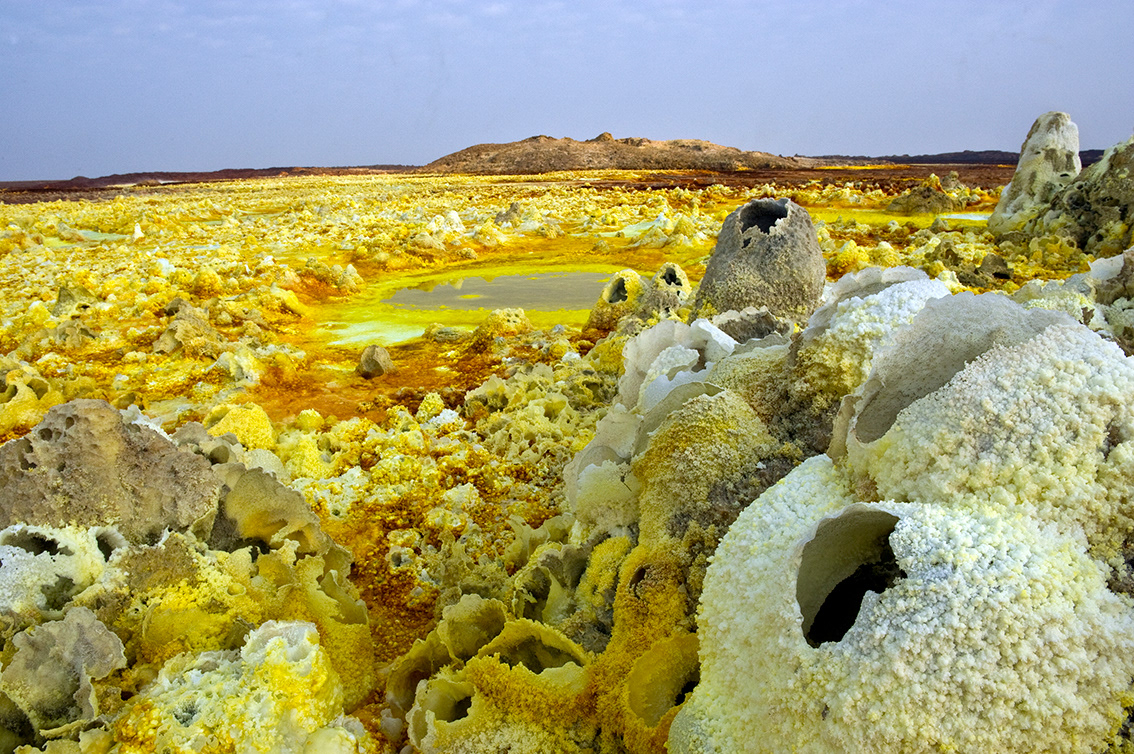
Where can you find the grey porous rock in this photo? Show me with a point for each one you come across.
(767, 255)
(86, 465)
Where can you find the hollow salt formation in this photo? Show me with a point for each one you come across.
(620, 297)
(946, 649)
(980, 423)
(766, 255)
(629, 302)
(1012, 392)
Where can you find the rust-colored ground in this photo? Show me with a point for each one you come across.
(890, 178)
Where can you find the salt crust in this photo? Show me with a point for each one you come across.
(1045, 425)
(279, 693)
(1001, 637)
(835, 352)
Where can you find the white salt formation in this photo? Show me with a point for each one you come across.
(1049, 160)
(904, 598)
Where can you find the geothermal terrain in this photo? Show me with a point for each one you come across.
(561, 446)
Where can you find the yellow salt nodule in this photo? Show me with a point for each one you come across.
(279, 693)
(250, 424)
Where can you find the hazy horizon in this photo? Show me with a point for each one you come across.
(128, 86)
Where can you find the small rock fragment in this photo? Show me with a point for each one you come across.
(72, 300)
(994, 266)
(375, 362)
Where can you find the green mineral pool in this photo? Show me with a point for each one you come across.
(388, 315)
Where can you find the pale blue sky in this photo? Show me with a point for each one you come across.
(93, 88)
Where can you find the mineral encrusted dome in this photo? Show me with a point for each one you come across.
(950, 655)
(766, 256)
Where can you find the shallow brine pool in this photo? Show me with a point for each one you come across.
(382, 317)
(541, 291)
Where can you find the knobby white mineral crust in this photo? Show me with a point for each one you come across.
(995, 632)
(1044, 425)
(833, 355)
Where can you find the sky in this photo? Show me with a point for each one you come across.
(120, 86)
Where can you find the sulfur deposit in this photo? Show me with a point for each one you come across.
(824, 466)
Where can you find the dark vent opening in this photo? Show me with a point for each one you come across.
(849, 556)
(838, 612)
(616, 291)
(763, 215)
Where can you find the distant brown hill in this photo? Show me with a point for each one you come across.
(544, 154)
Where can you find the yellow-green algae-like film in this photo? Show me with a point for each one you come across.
(413, 558)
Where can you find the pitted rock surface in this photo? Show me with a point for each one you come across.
(85, 465)
(767, 255)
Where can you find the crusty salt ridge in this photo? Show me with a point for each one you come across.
(861, 315)
(52, 673)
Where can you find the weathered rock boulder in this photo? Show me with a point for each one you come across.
(191, 331)
(84, 464)
(375, 362)
(1096, 210)
(767, 255)
(72, 301)
(1049, 160)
